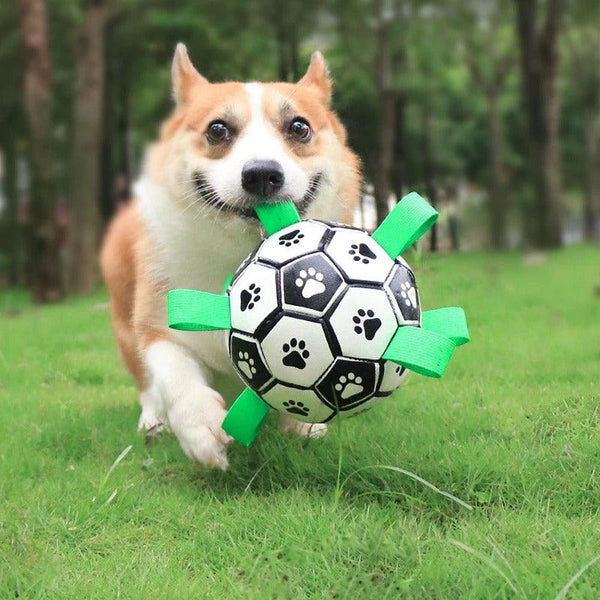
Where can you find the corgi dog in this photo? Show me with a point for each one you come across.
(226, 147)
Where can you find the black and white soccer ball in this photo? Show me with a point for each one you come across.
(312, 311)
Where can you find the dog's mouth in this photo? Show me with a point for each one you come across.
(209, 197)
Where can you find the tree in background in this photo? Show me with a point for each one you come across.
(12, 136)
(291, 22)
(538, 29)
(490, 56)
(44, 267)
(582, 44)
(87, 144)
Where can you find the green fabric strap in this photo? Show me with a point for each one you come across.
(407, 222)
(245, 417)
(275, 217)
(227, 283)
(420, 350)
(450, 322)
(191, 310)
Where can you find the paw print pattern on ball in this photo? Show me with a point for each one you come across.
(248, 360)
(403, 293)
(296, 408)
(358, 256)
(364, 332)
(249, 297)
(246, 364)
(291, 238)
(409, 293)
(253, 297)
(311, 282)
(349, 385)
(393, 376)
(305, 405)
(295, 241)
(295, 353)
(361, 252)
(350, 381)
(366, 323)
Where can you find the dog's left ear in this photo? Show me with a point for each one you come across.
(183, 75)
(317, 76)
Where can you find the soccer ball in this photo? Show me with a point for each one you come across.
(313, 309)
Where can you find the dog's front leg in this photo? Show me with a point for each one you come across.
(190, 407)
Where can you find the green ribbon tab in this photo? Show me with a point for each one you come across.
(246, 417)
(191, 310)
(450, 322)
(275, 217)
(420, 350)
(407, 222)
(227, 283)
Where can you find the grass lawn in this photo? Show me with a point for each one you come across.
(513, 430)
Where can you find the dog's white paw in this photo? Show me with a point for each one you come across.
(309, 430)
(203, 445)
(196, 421)
(148, 420)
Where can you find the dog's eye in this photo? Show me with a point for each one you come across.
(300, 130)
(217, 132)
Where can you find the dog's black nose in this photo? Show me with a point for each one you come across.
(262, 177)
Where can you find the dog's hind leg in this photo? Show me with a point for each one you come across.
(309, 430)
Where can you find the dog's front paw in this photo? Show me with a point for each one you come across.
(203, 445)
(309, 430)
(197, 424)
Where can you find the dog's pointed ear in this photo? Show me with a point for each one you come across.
(318, 77)
(183, 75)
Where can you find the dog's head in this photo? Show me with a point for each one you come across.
(229, 146)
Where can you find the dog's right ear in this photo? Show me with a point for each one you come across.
(183, 75)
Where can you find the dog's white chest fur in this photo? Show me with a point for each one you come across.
(194, 252)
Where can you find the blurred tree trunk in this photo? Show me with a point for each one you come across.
(113, 73)
(429, 170)
(399, 148)
(539, 66)
(592, 168)
(43, 247)
(387, 110)
(87, 144)
(294, 51)
(14, 275)
(491, 86)
(116, 160)
(583, 45)
(498, 204)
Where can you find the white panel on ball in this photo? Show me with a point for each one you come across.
(253, 297)
(363, 322)
(303, 405)
(292, 242)
(359, 256)
(297, 351)
(393, 376)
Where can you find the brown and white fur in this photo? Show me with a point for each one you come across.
(190, 225)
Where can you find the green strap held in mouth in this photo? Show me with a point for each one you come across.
(277, 216)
